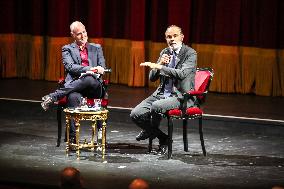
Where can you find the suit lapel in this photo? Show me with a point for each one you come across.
(91, 55)
(180, 54)
(77, 53)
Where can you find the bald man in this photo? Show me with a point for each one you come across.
(78, 58)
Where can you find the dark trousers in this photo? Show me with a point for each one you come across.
(146, 115)
(87, 86)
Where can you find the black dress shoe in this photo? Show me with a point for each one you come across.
(46, 102)
(143, 135)
(163, 146)
(163, 149)
(72, 140)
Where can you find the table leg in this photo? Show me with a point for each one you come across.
(103, 139)
(67, 134)
(94, 127)
(77, 125)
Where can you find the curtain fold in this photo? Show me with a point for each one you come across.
(7, 56)
(54, 68)
(117, 55)
(280, 56)
(22, 54)
(37, 58)
(136, 72)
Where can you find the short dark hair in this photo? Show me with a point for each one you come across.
(174, 26)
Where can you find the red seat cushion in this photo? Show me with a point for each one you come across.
(62, 102)
(194, 111)
(106, 81)
(104, 102)
(90, 102)
(175, 112)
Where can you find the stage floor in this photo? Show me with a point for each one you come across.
(243, 137)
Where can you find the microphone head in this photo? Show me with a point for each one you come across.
(108, 70)
(167, 51)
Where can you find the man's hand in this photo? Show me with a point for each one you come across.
(89, 72)
(98, 69)
(165, 59)
(151, 65)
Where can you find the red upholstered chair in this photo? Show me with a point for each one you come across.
(203, 78)
(61, 104)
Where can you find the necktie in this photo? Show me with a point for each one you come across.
(173, 60)
(169, 81)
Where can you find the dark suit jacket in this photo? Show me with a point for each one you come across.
(72, 60)
(183, 73)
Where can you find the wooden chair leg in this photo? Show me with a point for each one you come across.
(201, 136)
(59, 125)
(185, 140)
(170, 134)
(150, 145)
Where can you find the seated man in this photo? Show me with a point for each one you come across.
(79, 57)
(176, 69)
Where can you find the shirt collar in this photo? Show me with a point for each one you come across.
(84, 47)
(177, 51)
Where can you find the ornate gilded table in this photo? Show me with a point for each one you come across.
(93, 116)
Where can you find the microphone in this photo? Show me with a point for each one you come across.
(168, 52)
(108, 70)
(94, 72)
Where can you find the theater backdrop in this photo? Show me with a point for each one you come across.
(242, 40)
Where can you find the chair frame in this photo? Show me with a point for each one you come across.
(199, 97)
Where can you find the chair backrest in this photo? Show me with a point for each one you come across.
(203, 78)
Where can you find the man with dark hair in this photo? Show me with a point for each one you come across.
(176, 69)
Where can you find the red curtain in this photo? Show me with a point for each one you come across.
(258, 23)
(240, 39)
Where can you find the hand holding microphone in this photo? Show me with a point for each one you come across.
(100, 70)
(165, 59)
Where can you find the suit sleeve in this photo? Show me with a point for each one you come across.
(70, 65)
(154, 74)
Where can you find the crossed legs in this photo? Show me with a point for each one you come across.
(87, 86)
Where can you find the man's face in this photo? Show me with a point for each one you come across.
(174, 38)
(80, 35)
